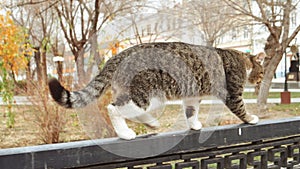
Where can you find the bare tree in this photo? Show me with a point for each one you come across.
(275, 16)
(37, 18)
(214, 18)
(81, 20)
(165, 26)
(58, 50)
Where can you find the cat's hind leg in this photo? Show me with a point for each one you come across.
(156, 105)
(191, 108)
(144, 116)
(148, 120)
(119, 123)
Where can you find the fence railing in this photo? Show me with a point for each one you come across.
(269, 144)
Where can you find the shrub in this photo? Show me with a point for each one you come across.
(48, 116)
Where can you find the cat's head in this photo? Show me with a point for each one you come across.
(255, 69)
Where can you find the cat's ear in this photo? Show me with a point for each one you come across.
(259, 58)
(257, 72)
(253, 60)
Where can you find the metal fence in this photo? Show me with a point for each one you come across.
(269, 144)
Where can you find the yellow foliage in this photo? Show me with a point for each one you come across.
(13, 46)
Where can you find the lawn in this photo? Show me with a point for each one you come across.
(28, 131)
(251, 95)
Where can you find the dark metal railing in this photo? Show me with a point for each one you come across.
(269, 144)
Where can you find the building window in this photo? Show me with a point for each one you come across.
(234, 34)
(156, 27)
(294, 19)
(143, 32)
(149, 29)
(246, 32)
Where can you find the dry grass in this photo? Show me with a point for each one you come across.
(26, 131)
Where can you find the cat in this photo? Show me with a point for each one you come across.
(144, 76)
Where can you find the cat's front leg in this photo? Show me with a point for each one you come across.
(253, 119)
(191, 108)
(119, 124)
(236, 104)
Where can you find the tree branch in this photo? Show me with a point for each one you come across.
(293, 35)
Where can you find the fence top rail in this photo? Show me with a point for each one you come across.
(102, 151)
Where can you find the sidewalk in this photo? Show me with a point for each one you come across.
(22, 100)
(247, 101)
(272, 90)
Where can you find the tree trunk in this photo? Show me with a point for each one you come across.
(44, 74)
(267, 80)
(210, 42)
(44, 67)
(37, 59)
(59, 70)
(264, 90)
(95, 58)
(80, 69)
(274, 54)
(28, 77)
(41, 69)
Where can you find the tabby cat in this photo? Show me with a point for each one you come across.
(144, 76)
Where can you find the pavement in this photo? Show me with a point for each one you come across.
(23, 100)
(210, 101)
(18, 100)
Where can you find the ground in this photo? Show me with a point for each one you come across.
(27, 132)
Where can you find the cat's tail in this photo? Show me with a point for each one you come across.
(80, 98)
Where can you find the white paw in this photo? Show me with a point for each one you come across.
(254, 120)
(196, 125)
(127, 134)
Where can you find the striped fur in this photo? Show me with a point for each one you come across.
(168, 70)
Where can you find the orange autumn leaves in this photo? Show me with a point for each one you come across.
(13, 46)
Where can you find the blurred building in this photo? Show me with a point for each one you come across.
(252, 39)
(164, 21)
